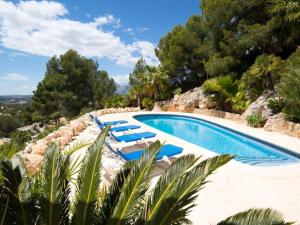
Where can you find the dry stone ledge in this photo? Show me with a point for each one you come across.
(33, 162)
(33, 154)
(185, 102)
(278, 123)
(259, 107)
(220, 114)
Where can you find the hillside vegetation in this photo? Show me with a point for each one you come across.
(235, 50)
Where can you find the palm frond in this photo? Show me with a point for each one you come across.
(89, 182)
(256, 216)
(17, 205)
(74, 168)
(165, 185)
(181, 197)
(135, 186)
(54, 208)
(76, 146)
(111, 196)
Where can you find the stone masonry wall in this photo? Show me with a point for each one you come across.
(33, 154)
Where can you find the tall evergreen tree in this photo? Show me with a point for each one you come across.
(71, 83)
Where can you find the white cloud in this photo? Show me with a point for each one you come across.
(16, 54)
(142, 29)
(106, 20)
(14, 77)
(121, 79)
(128, 30)
(146, 49)
(42, 28)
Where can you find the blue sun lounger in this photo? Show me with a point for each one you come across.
(133, 137)
(109, 123)
(166, 150)
(120, 128)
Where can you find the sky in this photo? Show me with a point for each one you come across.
(115, 33)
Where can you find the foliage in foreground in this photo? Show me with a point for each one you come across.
(46, 197)
(17, 143)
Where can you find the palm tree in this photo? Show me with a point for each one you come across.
(45, 198)
(265, 68)
(262, 75)
(221, 90)
(157, 84)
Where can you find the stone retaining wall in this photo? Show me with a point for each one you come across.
(220, 114)
(33, 154)
(195, 101)
(278, 123)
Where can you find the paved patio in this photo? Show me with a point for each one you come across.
(236, 186)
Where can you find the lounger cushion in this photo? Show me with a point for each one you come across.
(114, 122)
(166, 150)
(134, 136)
(124, 128)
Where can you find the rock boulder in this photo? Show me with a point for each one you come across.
(278, 123)
(259, 107)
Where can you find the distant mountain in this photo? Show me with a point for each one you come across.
(15, 99)
(122, 89)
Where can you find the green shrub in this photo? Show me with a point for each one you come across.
(276, 104)
(255, 120)
(20, 137)
(148, 103)
(85, 110)
(221, 90)
(117, 101)
(17, 143)
(262, 75)
(289, 87)
(177, 91)
(8, 124)
(9, 149)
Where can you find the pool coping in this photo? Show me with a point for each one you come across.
(237, 186)
(280, 148)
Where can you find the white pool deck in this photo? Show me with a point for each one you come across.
(236, 186)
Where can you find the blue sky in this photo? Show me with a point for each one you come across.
(113, 32)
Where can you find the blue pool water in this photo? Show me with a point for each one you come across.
(221, 140)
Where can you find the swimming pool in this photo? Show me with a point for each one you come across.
(220, 139)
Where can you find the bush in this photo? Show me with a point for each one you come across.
(117, 101)
(20, 137)
(276, 104)
(289, 87)
(85, 110)
(221, 90)
(177, 91)
(148, 103)
(17, 143)
(255, 120)
(8, 124)
(8, 150)
(262, 75)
